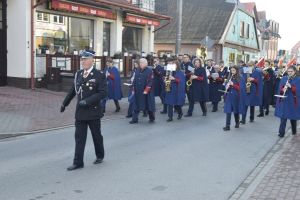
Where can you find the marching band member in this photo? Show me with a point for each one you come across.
(158, 82)
(114, 85)
(254, 88)
(143, 92)
(130, 91)
(187, 66)
(216, 84)
(199, 90)
(175, 98)
(287, 105)
(268, 89)
(235, 86)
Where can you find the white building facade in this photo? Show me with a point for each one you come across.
(65, 28)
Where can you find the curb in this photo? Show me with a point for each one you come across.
(249, 184)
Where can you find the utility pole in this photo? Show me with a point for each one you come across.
(179, 27)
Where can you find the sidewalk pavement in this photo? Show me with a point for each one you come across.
(26, 111)
(277, 177)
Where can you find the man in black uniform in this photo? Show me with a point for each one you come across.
(90, 87)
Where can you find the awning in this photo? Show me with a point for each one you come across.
(61, 5)
(141, 20)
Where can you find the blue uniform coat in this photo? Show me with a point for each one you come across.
(200, 88)
(176, 96)
(215, 86)
(143, 81)
(289, 108)
(158, 80)
(233, 99)
(256, 92)
(113, 83)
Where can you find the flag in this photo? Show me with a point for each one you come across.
(261, 63)
(293, 61)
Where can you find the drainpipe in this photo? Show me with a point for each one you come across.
(32, 51)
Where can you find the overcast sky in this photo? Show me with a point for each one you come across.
(287, 13)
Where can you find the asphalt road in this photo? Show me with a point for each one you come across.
(191, 159)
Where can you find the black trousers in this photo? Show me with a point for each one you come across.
(135, 115)
(283, 126)
(171, 110)
(236, 118)
(252, 111)
(191, 107)
(80, 139)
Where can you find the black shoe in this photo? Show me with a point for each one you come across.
(260, 115)
(237, 125)
(204, 114)
(145, 115)
(179, 116)
(267, 113)
(74, 167)
(294, 133)
(118, 109)
(242, 122)
(128, 116)
(133, 122)
(98, 161)
(251, 120)
(214, 110)
(188, 115)
(226, 128)
(163, 112)
(169, 120)
(151, 121)
(280, 135)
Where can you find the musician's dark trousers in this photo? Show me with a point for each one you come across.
(80, 139)
(135, 115)
(202, 105)
(215, 106)
(130, 109)
(283, 126)
(252, 109)
(236, 118)
(171, 110)
(261, 109)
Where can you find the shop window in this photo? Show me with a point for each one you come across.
(81, 34)
(106, 37)
(132, 39)
(232, 57)
(63, 35)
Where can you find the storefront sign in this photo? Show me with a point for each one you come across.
(77, 8)
(141, 20)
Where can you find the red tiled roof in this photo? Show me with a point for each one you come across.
(249, 6)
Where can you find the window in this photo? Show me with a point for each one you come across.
(58, 19)
(247, 31)
(232, 57)
(233, 29)
(106, 37)
(43, 17)
(64, 34)
(132, 39)
(242, 29)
